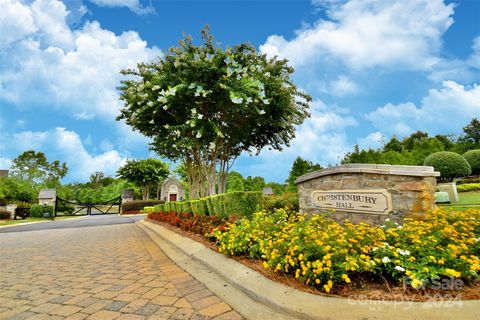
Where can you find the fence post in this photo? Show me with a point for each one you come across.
(55, 209)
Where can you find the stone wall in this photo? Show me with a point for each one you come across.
(411, 188)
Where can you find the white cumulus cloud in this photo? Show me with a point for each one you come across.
(443, 110)
(369, 33)
(66, 146)
(47, 64)
(134, 5)
(321, 138)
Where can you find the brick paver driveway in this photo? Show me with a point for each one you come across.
(102, 272)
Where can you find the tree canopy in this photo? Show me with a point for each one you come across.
(34, 167)
(204, 105)
(145, 173)
(299, 168)
(413, 149)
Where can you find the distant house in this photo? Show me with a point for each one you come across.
(172, 190)
(3, 173)
(268, 191)
(47, 196)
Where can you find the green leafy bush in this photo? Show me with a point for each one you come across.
(467, 180)
(202, 207)
(241, 204)
(288, 201)
(185, 207)
(149, 209)
(449, 164)
(473, 158)
(65, 208)
(137, 205)
(210, 208)
(37, 210)
(167, 207)
(194, 206)
(468, 187)
(4, 215)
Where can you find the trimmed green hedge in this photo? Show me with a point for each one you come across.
(241, 204)
(149, 209)
(138, 205)
(450, 164)
(468, 187)
(473, 158)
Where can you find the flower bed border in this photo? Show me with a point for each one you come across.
(306, 305)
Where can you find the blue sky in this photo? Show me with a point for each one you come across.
(373, 67)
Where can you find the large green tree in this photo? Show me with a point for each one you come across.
(34, 167)
(300, 167)
(235, 182)
(145, 174)
(472, 133)
(204, 105)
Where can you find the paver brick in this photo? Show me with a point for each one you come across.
(45, 308)
(100, 273)
(65, 310)
(216, 309)
(164, 300)
(104, 315)
(116, 305)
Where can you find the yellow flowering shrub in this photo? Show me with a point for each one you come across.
(321, 252)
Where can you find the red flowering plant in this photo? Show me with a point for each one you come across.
(199, 224)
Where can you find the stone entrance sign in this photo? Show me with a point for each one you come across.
(371, 201)
(368, 192)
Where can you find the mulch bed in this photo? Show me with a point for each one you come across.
(362, 287)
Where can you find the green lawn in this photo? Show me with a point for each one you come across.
(467, 200)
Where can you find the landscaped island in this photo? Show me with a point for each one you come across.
(439, 253)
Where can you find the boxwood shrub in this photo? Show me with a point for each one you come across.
(473, 158)
(37, 210)
(449, 164)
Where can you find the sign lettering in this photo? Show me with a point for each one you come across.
(377, 201)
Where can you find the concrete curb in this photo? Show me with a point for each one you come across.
(302, 305)
(220, 286)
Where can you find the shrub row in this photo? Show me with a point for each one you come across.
(37, 210)
(473, 158)
(137, 205)
(449, 164)
(468, 187)
(241, 204)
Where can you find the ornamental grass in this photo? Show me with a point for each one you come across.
(320, 252)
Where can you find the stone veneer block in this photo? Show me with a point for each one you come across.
(369, 193)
